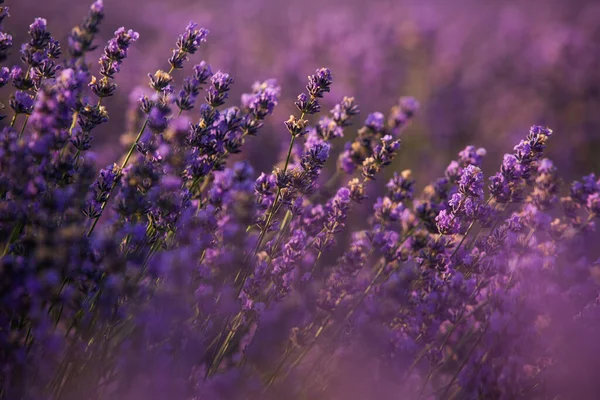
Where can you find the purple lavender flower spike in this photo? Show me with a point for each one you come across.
(319, 83)
(110, 62)
(217, 93)
(447, 223)
(22, 103)
(471, 182)
(5, 39)
(375, 121)
(187, 43)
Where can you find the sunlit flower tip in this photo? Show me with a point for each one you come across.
(160, 80)
(329, 129)
(385, 210)
(296, 126)
(102, 87)
(401, 186)
(357, 190)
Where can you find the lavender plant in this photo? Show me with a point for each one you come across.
(181, 272)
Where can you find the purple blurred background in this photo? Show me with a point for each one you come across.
(483, 71)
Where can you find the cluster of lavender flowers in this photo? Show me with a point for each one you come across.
(180, 272)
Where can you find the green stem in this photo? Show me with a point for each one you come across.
(271, 213)
(121, 168)
(24, 125)
(13, 236)
(34, 99)
(123, 165)
(73, 124)
(285, 224)
(133, 146)
(273, 376)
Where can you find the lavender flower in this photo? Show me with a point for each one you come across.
(217, 92)
(187, 43)
(5, 39)
(82, 36)
(192, 85)
(5, 45)
(110, 62)
(319, 83)
(22, 103)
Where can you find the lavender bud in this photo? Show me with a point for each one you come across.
(82, 36)
(328, 129)
(5, 44)
(307, 104)
(471, 182)
(39, 34)
(447, 223)
(297, 127)
(401, 186)
(217, 92)
(319, 83)
(375, 121)
(160, 81)
(103, 87)
(3, 13)
(202, 72)
(357, 190)
(4, 76)
(22, 102)
(187, 43)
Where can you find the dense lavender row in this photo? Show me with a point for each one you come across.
(482, 70)
(180, 273)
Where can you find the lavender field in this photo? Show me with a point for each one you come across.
(299, 200)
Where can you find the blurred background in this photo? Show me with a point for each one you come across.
(483, 71)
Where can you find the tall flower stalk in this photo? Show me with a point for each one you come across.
(187, 43)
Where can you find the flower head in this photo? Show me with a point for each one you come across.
(319, 82)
